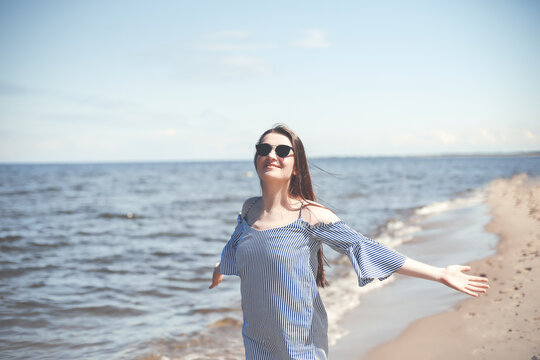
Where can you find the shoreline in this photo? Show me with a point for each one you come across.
(411, 300)
(441, 238)
(504, 323)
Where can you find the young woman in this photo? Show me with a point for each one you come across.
(276, 249)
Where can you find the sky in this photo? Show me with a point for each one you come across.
(106, 81)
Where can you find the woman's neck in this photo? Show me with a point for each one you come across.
(274, 197)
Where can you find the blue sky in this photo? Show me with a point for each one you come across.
(176, 80)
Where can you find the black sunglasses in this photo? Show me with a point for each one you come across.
(281, 150)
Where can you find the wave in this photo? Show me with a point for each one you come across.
(354, 195)
(194, 289)
(401, 230)
(49, 245)
(442, 206)
(108, 259)
(169, 234)
(89, 289)
(213, 310)
(34, 304)
(128, 215)
(154, 293)
(196, 279)
(88, 233)
(31, 323)
(221, 340)
(106, 270)
(396, 232)
(65, 212)
(6, 245)
(211, 239)
(28, 192)
(105, 310)
(210, 200)
(10, 238)
(14, 272)
(344, 296)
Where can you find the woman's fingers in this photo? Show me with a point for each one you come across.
(471, 285)
(476, 288)
(480, 285)
(215, 283)
(216, 277)
(470, 293)
(476, 284)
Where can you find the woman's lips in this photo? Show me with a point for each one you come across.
(272, 166)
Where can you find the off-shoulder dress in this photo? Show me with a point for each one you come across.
(284, 317)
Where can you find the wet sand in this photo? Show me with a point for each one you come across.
(505, 323)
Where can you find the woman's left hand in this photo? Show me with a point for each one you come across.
(454, 277)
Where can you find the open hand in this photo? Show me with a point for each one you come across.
(454, 277)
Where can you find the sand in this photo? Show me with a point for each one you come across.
(504, 323)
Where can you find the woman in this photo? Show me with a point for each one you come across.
(276, 249)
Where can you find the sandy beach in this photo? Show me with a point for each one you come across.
(504, 323)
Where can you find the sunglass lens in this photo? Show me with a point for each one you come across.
(263, 149)
(282, 150)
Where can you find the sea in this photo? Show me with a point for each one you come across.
(114, 260)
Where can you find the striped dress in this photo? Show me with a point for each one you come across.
(284, 317)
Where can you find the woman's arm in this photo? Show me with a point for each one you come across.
(229, 267)
(451, 276)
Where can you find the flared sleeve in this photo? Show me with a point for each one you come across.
(369, 258)
(227, 266)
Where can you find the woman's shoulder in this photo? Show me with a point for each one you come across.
(317, 213)
(248, 204)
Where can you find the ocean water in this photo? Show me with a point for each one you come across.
(113, 261)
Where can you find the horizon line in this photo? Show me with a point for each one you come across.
(442, 155)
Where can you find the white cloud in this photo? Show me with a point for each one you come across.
(313, 39)
(489, 136)
(445, 137)
(166, 133)
(529, 135)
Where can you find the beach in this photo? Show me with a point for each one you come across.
(106, 254)
(504, 323)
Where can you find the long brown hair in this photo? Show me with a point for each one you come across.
(300, 186)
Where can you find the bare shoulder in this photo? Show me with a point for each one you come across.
(248, 204)
(317, 213)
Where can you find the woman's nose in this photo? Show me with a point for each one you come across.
(272, 154)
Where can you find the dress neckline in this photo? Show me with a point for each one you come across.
(274, 228)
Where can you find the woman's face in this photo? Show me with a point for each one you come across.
(272, 167)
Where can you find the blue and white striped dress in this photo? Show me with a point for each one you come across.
(284, 317)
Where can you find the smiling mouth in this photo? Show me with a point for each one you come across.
(271, 166)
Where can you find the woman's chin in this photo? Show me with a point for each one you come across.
(272, 175)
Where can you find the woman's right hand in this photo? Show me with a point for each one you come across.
(216, 277)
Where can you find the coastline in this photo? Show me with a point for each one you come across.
(442, 234)
(372, 327)
(504, 323)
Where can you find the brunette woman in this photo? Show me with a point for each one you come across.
(276, 249)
